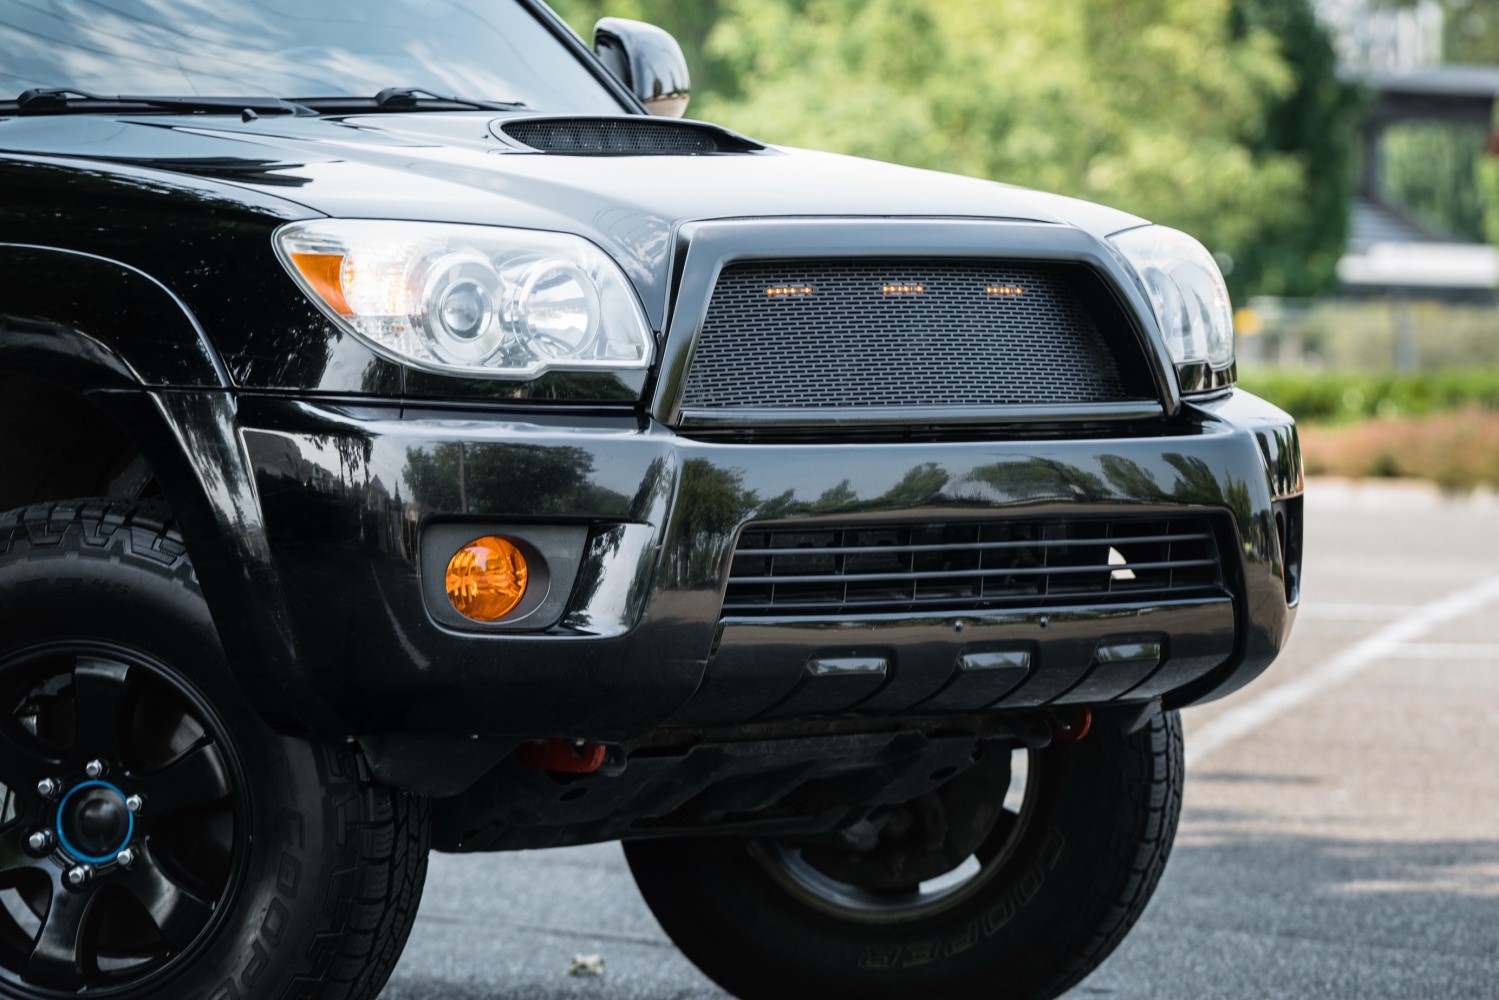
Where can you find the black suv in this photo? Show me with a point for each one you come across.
(413, 437)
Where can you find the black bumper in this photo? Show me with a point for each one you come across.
(322, 607)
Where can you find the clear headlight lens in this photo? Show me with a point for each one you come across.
(1186, 290)
(470, 300)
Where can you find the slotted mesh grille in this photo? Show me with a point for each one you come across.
(966, 565)
(820, 333)
(622, 137)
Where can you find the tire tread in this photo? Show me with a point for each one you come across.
(382, 835)
(1152, 781)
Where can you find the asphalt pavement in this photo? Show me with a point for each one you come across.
(1340, 836)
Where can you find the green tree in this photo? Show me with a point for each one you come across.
(1431, 170)
(1471, 30)
(1316, 121)
(1488, 181)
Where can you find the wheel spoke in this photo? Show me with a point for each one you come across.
(25, 759)
(999, 837)
(13, 854)
(178, 913)
(196, 778)
(58, 959)
(99, 688)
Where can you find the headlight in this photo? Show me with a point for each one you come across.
(470, 300)
(1186, 290)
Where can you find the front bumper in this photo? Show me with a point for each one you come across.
(345, 492)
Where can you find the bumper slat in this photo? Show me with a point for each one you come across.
(965, 565)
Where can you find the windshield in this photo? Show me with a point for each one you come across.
(492, 50)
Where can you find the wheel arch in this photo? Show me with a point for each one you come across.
(90, 346)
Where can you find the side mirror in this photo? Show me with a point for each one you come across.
(648, 61)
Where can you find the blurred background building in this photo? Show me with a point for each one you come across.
(1383, 37)
(1414, 232)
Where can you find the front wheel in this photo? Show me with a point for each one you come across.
(156, 839)
(1015, 880)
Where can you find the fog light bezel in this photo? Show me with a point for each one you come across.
(553, 554)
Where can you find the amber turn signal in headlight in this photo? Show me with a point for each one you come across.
(487, 578)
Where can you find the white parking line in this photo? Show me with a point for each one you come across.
(1448, 651)
(1333, 612)
(1245, 719)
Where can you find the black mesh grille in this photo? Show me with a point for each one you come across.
(623, 137)
(967, 565)
(820, 333)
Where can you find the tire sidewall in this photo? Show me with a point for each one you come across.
(1022, 934)
(77, 591)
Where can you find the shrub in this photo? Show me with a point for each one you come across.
(1457, 450)
(1347, 396)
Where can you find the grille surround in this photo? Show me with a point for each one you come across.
(632, 135)
(814, 570)
(960, 342)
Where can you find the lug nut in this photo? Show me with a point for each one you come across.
(79, 876)
(125, 858)
(95, 769)
(49, 788)
(135, 803)
(40, 842)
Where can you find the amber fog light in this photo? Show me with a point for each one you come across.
(487, 578)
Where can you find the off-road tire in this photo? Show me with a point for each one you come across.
(336, 863)
(1079, 876)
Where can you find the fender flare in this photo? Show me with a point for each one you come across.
(115, 335)
(124, 316)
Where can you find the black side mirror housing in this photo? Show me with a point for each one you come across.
(648, 61)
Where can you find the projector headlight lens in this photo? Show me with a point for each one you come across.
(470, 300)
(556, 307)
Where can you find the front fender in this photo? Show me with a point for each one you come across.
(111, 333)
(79, 317)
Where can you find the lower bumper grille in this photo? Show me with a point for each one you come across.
(971, 565)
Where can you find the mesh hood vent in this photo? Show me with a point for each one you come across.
(625, 136)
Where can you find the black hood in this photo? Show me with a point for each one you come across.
(463, 167)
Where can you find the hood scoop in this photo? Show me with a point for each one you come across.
(627, 135)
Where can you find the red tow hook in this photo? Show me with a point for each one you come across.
(566, 756)
(1070, 727)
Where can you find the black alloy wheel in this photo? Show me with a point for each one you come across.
(118, 841)
(157, 839)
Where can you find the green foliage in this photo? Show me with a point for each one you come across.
(1472, 28)
(1317, 122)
(1220, 117)
(1329, 397)
(1432, 170)
(1488, 192)
(1488, 185)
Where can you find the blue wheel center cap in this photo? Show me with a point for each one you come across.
(93, 823)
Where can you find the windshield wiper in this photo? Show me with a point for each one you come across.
(402, 97)
(49, 100)
(407, 99)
